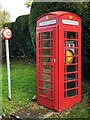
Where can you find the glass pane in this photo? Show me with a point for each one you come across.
(70, 60)
(45, 91)
(65, 76)
(71, 84)
(72, 76)
(46, 43)
(46, 35)
(46, 77)
(71, 93)
(65, 34)
(45, 52)
(46, 69)
(46, 85)
(46, 60)
(65, 94)
(75, 59)
(72, 35)
(70, 43)
(65, 85)
(70, 68)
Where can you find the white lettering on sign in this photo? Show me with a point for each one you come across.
(70, 22)
(49, 22)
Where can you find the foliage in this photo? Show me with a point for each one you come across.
(4, 17)
(80, 8)
(22, 85)
(20, 44)
(28, 3)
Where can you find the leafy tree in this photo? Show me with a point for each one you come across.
(28, 3)
(4, 17)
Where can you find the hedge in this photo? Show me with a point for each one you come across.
(20, 44)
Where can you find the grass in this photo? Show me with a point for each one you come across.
(23, 78)
(0, 88)
(80, 110)
(23, 82)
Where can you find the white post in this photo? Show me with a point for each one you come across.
(8, 70)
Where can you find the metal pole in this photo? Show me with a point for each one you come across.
(8, 70)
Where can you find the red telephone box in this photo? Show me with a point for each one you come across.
(58, 51)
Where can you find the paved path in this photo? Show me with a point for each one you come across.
(35, 111)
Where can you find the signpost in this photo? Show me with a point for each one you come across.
(7, 34)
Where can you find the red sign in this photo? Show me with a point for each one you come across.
(7, 33)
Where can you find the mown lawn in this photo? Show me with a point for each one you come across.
(23, 81)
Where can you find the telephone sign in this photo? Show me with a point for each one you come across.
(70, 22)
